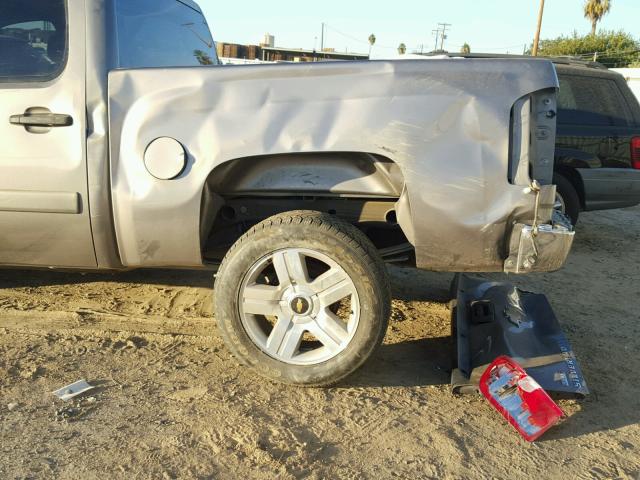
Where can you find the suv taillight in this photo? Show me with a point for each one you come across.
(635, 152)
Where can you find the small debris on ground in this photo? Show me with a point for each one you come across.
(66, 413)
(73, 390)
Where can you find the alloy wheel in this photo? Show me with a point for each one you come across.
(299, 306)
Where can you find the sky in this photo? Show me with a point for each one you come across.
(492, 26)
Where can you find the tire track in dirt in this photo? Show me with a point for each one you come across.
(96, 322)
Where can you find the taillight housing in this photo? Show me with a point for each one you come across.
(635, 153)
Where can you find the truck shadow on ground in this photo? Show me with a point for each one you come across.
(17, 278)
(407, 283)
(410, 284)
(414, 363)
(411, 363)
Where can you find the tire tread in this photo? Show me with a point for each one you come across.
(333, 226)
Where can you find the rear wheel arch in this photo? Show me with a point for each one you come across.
(568, 199)
(335, 172)
(572, 175)
(294, 179)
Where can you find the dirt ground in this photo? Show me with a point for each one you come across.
(171, 403)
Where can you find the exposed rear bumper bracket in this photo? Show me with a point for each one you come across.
(491, 319)
(541, 249)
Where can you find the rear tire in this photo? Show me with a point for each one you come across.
(568, 201)
(303, 298)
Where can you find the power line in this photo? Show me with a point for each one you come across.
(441, 31)
(438, 33)
(606, 53)
(346, 35)
(352, 37)
(490, 48)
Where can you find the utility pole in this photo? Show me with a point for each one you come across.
(436, 33)
(322, 39)
(536, 40)
(444, 27)
(315, 49)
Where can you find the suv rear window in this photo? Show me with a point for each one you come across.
(33, 39)
(585, 100)
(162, 33)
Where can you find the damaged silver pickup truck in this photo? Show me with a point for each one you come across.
(126, 145)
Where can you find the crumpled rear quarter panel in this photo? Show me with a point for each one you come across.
(444, 122)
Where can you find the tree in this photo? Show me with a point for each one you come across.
(372, 42)
(402, 49)
(466, 49)
(595, 10)
(203, 57)
(614, 49)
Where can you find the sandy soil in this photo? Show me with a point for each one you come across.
(171, 403)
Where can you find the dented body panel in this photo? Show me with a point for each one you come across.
(446, 124)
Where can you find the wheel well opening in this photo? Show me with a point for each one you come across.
(361, 188)
(375, 217)
(574, 178)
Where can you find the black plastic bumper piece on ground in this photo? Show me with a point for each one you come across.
(491, 319)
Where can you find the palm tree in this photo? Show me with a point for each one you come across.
(402, 49)
(466, 49)
(595, 10)
(372, 41)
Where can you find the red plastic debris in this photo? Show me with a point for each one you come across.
(519, 398)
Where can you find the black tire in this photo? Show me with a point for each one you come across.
(569, 195)
(345, 245)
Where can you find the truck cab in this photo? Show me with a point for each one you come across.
(54, 59)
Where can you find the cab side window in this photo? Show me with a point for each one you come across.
(162, 33)
(33, 39)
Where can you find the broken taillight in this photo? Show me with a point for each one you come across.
(635, 153)
(519, 398)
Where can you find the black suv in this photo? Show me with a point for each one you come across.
(598, 141)
(597, 164)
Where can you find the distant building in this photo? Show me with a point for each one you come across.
(633, 78)
(278, 54)
(234, 50)
(268, 52)
(269, 41)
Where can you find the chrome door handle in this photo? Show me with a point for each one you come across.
(42, 120)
